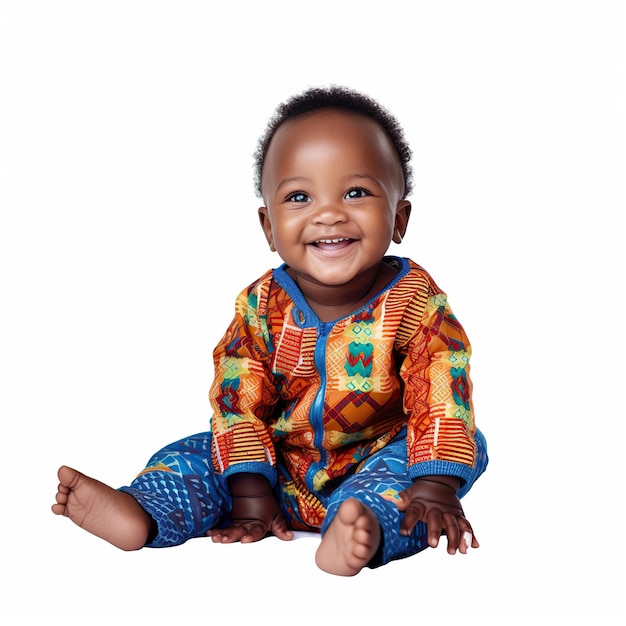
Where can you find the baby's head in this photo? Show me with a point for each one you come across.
(342, 99)
(333, 172)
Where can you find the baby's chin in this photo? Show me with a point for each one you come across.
(337, 277)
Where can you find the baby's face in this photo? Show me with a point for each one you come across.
(333, 187)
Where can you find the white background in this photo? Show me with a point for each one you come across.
(128, 225)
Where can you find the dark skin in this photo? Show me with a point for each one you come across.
(431, 499)
(335, 176)
(255, 512)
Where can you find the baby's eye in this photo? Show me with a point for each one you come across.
(298, 196)
(356, 193)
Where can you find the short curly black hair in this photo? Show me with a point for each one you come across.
(343, 99)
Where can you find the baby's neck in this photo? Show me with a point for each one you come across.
(331, 302)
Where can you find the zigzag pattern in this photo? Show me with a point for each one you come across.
(359, 359)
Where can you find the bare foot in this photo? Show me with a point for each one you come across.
(101, 510)
(350, 541)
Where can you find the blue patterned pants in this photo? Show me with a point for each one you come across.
(185, 497)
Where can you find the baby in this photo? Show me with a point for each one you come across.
(341, 399)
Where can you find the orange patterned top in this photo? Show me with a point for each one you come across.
(318, 397)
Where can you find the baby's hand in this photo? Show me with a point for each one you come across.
(434, 502)
(255, 513)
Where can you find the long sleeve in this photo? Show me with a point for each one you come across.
(437, 397)
(243, 394)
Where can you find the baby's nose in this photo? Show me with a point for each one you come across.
(330, 213)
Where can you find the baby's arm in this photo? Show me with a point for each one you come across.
(433, 500)
(243, 396)
(255, 512)
(441, 448)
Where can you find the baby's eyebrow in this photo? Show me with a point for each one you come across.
(292, 179)
(365, 176)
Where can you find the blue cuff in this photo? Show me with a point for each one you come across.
(441, 468)
(265, 469)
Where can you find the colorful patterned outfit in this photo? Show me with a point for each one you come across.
(358, 407)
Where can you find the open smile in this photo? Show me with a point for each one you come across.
(331, 242)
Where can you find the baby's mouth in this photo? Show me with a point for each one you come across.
(332, 244)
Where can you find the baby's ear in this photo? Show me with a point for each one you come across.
(266, 225)
(403, 212)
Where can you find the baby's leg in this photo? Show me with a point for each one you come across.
(180, 491)
(376, 485)
(350, 541)
(101, 510)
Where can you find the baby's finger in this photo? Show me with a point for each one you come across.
(279, 529)
(412, 514)
(453, 533)
(468, 539)
(254, 532)
(226, 535)
(434, 523)
(402, 501)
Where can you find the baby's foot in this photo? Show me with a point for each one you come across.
(350, 541)
(101, 510)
